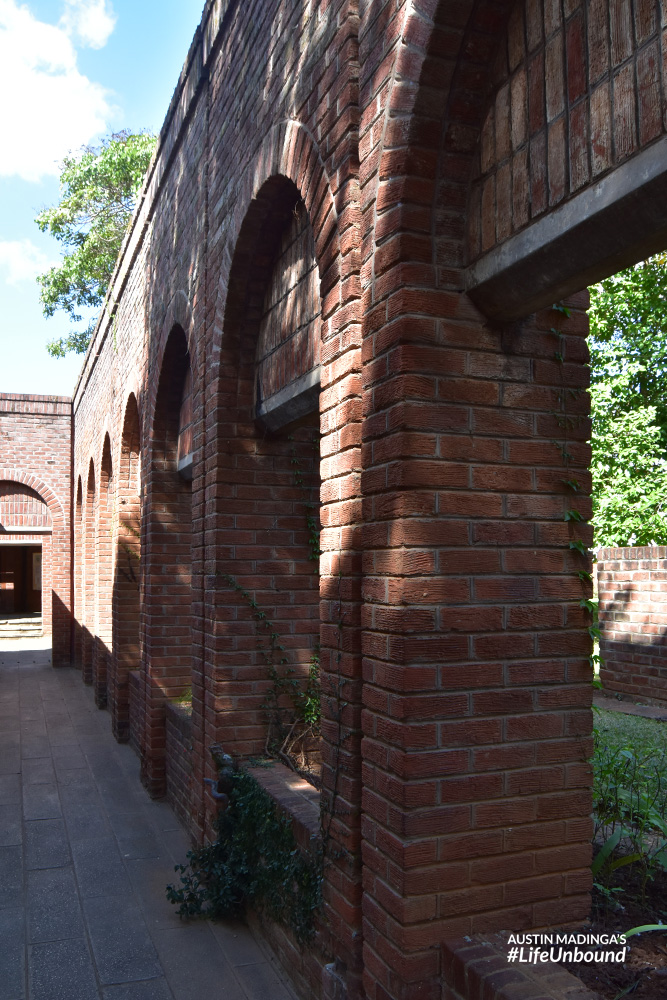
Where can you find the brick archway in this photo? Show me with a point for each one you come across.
(56, 585)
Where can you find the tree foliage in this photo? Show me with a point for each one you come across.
(99, 188)
(628, 342)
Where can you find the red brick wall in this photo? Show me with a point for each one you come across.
(35, 473)
(575, 89)
(454, 652)
(632, 585)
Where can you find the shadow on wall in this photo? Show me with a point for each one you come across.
(632, 586)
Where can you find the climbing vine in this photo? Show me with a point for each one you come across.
(293, 710)
(572, 516)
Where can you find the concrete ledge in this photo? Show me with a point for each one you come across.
(612, 224)
(296, 400)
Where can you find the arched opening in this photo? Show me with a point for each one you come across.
(167, 663)
(126, 595)
(89, 579)
(267, 637)
(104, 574)
(25, 534)
(78, 575)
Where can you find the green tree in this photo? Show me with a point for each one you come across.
(628, 342)
(99, 187)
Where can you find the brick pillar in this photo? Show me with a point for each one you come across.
(126, 591)
(78, 556)
(102, 645)
(166, 665)
(89, 580)
(477, 685)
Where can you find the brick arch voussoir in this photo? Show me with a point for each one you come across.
(46, 492)
(288, 151)
(178, 313)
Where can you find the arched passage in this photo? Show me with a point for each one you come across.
(167, 664)
(23, 488)
(126, 591)
(268, 462)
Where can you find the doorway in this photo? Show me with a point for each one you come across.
(20, 580)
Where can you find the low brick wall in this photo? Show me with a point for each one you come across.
(632, 584)
(179, 760)
(297, 799)
(476, 968)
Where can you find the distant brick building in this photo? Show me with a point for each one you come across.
(343, 267)
(35, 513)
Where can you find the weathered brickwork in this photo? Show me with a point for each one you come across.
(35, 494)
(632, 586)
(576, 89)
(297, 327)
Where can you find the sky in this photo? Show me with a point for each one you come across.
(71, 72)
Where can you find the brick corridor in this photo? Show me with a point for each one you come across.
(84, 859)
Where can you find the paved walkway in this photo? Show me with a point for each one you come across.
(85, 857)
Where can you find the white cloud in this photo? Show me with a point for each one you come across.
(49, 108)
(21, 260)
(91, 21)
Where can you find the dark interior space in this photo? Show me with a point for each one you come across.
(20, 579)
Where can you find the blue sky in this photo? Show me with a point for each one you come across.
(71, 71)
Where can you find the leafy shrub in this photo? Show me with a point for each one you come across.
(255, 861)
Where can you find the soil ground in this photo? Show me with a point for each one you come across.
(643, 976)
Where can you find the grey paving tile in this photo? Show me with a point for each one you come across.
(263, 982)
(53, 909)
(237, 943)
(153, 989)
(41, 802)
(62, 970)
(9, 724)
(121, 943)
(35, 746)
(68, 759)
(86, 821)
(38, 771)
(62, 738)
(12, 954)
(99, 869)
(11, 876)
(10, 825)
(194, 967)
(46, 844)
(10, 789)
(135, 835)
(149, 878)
(10, 763)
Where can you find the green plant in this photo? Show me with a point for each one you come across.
(98, 188)
(629, 798)
(293, 711)
(255, 861)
